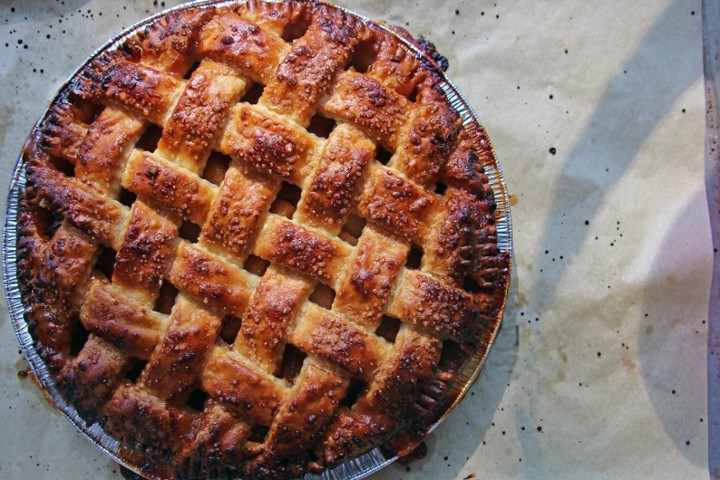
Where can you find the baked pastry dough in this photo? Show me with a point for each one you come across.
(257, 241)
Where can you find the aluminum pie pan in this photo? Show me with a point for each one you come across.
(354, 469)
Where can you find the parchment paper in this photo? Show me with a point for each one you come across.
(596, 111)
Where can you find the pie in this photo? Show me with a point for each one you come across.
(257, 241)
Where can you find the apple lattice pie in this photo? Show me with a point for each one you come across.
(257, 241)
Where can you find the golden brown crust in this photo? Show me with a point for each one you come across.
(236, 212)
(50, 270)
(176, 364)
(155, 179)
(112, 316)
(464, 225)
(98, 216)
(64, 130)
(230, 38)
(301, 249)
(342, 343)
(310, 406)
(446, 311)
(231, 378)
(209, 279)
(395, 67)
(256, 241)
(310, 67)
(168, 43)
(273, 307)
(89, 380)
(199, 114)
(332, 187)
(388, 402)
(257, 138)
(397, 204)
(284, 19)
(354, 431)
(364, 102)
(142, 89)
(429, 139)
(464, 170)
(218, 444)
(368, 283)
(146, 424)
(104, 148)
(413, 361)
(146, 249)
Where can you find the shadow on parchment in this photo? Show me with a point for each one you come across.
(672, 343)
(611, 142)
(654, 77)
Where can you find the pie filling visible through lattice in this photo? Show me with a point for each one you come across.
(256, 239)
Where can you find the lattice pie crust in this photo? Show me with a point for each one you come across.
(256, 240)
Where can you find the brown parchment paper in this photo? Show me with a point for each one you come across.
(596, 112)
